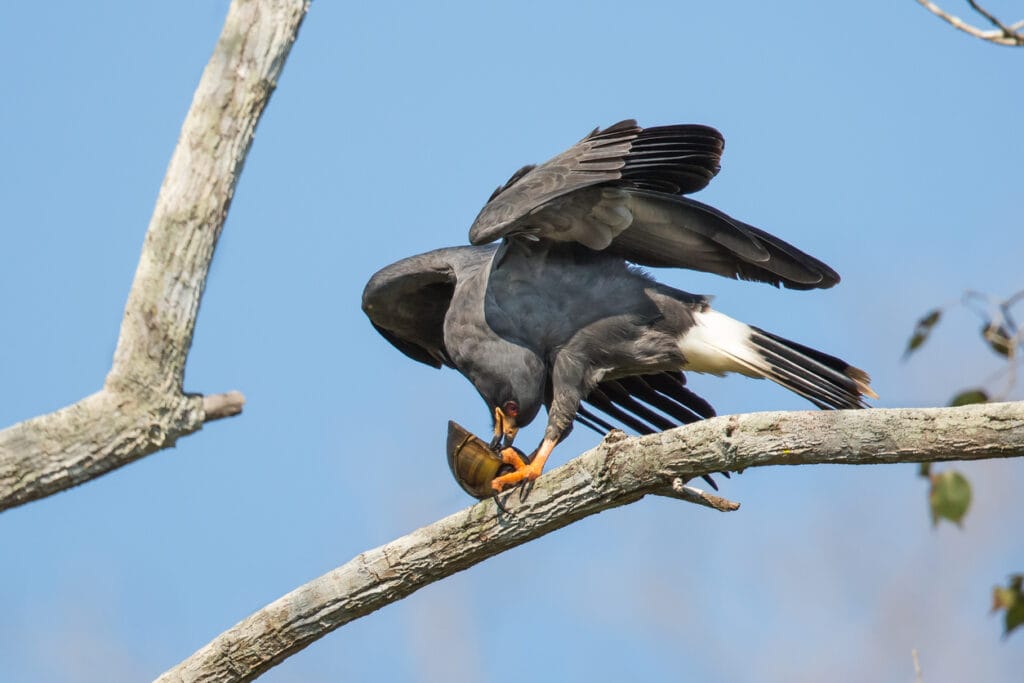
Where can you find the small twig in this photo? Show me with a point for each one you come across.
(1011, 380)
(218, 406)
(1017, 296)
(981, 305)
(1006, 35)
(988, 15)
(692, 494)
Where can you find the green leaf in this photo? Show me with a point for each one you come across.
(1014, 617)
(966, 398)
(922, 330)
(999, 338)
(950, 496)
(925, 470)
(1011, 599)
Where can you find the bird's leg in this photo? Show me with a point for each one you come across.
(524, 471)
(505, 430)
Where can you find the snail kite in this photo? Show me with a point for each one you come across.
(548, 307)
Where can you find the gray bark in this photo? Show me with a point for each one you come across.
(619, 471)
(141, 408)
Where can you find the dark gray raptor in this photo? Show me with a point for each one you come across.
(554, 314)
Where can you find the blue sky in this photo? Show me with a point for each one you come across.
(875, 137)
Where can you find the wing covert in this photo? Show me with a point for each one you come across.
(408, 300)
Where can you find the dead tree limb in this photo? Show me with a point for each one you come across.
(142, 408)
(619, 471)
(1003, 34)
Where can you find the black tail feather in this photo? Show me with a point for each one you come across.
(618, 394)
(640, 389)
(593, 422)
(623, 400)
(602, 402)
(826, 381)
(672, 384)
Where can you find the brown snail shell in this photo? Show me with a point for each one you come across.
(474, 465)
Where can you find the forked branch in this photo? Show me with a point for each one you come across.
(1003, 34)
(142, 407)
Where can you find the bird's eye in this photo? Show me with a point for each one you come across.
(511, 408)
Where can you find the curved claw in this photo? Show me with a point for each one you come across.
(501, 505)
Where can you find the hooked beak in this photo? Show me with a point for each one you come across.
(504, 426)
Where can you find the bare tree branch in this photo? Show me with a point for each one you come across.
(619, 471)
(992, 19)
(141, 408)
(219, 406)
(1003, 35)
(691, 494)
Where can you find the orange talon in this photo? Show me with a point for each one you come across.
(523, 471)
(509, 456)
(528, 473)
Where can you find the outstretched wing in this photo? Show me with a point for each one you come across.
(674, 159)
(621, 190)
(679, 232)
(407, 301)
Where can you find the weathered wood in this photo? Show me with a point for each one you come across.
(142, 408)
(619, 471)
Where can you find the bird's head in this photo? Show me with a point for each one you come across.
(514, 402)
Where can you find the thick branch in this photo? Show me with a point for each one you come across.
(141, 408)
(619, 471)
(196, 192)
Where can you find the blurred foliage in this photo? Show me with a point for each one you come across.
(922, 330)
(1000, 332)
(1010, 599)
(949, 496)
(1000, 338)
(966, 398)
